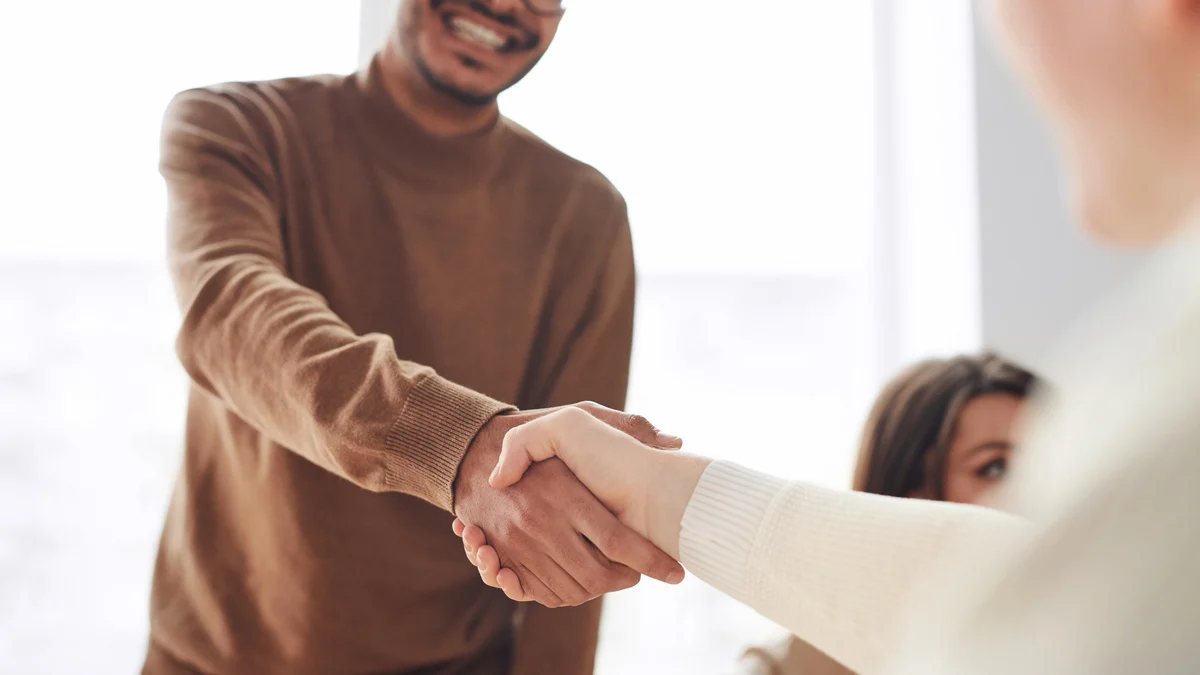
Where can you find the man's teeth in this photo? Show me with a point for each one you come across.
(469, 30)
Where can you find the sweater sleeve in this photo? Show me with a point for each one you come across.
(271, 349)
(834, 567)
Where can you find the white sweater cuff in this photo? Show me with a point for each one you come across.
(722, 523)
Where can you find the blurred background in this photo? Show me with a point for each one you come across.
(820, 192)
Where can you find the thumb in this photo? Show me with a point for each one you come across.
(531, 442)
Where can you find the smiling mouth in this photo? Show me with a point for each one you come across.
(475, 33)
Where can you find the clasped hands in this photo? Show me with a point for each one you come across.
(577, 502)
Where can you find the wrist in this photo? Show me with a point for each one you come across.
(478, 460)
(673, 480)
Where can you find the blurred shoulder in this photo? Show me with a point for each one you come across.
(560, 174)
(255, 107)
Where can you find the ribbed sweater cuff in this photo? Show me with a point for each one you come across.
(427, 442)
(722, 523)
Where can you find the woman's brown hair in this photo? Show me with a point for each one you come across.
(912, 423)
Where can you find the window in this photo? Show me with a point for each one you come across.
(91, 395)
(743, 140)
(92, 90)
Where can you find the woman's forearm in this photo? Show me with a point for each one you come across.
(674, 479)
(832, 566)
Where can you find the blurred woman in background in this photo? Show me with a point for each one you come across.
(942, 429)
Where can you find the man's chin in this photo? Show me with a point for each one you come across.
(463, 95)
(450, 87)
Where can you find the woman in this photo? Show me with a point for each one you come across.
(1098, 572)
(942, 429)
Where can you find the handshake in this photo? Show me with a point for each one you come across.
(562, 506)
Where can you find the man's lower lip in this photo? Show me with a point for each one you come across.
(481, 54)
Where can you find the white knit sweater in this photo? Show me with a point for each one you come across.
(1100, 572)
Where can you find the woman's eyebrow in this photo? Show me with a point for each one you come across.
(991, 445)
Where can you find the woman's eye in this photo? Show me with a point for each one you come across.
(994, 470)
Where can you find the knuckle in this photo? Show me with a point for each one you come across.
(515, 435)
(597, 583)
(580, 502)
(638, 423)
(612, 543)
(624, 577)
(527, 520)
(574, 416)
(613, 579)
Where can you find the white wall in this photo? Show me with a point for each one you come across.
(1039, 272)
(975, 244)
(926, 257)
(377, 18)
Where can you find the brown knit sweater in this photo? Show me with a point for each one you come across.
(358, 299)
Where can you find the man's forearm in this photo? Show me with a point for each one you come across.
(272, 350)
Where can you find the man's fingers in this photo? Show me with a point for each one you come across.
(458, 527)
(487, 560)
(634, 425)
(622, 545)
(571, 592)
(474, 537)
(666, 442)
(640, 428)
(511, 583)
(489, 565)
(537, 589)
(590, 569)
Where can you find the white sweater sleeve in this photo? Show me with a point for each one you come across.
(834, 567)
(1101, 579)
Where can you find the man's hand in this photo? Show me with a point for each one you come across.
(564, 545)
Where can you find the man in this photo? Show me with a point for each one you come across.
(368, 266)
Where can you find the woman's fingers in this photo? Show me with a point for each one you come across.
(625, 547)
(458, 526)
(539, 440)
(532, 442)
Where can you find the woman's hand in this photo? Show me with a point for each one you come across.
(616, 467)
(646, 489)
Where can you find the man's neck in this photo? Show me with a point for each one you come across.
(432, 110)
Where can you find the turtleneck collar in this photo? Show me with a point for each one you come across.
(403, 144)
